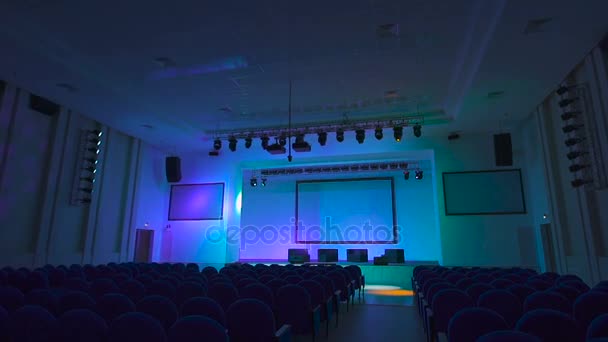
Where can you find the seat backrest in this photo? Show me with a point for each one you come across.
(470, 323)
(81, 325)
(315, 290)
(294, 307)
(112, 305)
(477, 289)
(446, 303)
(521, 291)
(547, 300)
(258, 291)
(550, 325)
(31, 323)
(250, 320)
(189, 289)
(504, 303)
(598, 327)
(225, 294)
(75, 300)
(136, 326)
(159, 307)
(508, 336)
(203, 306)
(590, 305)
(195, 329)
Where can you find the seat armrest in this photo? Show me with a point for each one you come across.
(316, 319)
(283, 334)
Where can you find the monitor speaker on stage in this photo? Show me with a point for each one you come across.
(297, 256)
(395, 256)
(327, 255)
(356, 255)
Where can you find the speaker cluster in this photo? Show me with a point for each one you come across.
(571, 103)
(84, 184)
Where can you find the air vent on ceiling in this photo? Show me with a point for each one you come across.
(44, 106)
(387, 31)
(226, 109)
(495, 94)
(164, 62)
(537, 25)
(148, 126)
(68, 87)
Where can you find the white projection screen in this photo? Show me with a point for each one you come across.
(196, 202)
(496, 192)
(346, 211)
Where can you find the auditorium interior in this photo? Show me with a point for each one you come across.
(343, 170)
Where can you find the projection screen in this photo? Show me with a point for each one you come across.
(496, 192)
(346, 211)
(196, 202)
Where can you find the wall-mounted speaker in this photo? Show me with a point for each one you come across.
(173, 169)
(503, 150)
(356, 255)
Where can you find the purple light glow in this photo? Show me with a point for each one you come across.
(231, 63)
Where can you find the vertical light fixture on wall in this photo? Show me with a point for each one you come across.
(572, 103)
(86, 170)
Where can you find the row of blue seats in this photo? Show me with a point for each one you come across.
(110, 291)
(455, 301)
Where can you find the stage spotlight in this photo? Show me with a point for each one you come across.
(398, 133)
(406, 175)
(566, 102)
(95, 141)
(417, 130)
(561, 90)
(282, 140)
(571, 128)
(419, 174)
(577, 167)
(378, 133)
(264, 141)
(575, 154)
(322, 138)
(217, 144)
(91, 169)
(91, 160)
(232, 143)
(96, 132)
(340, 135)
(93, 150)
(580, 182)
(360, 135)
(573, 141)
(253, 182)
(570, 115)
(90, 179)
(248, 142)
(87, 190)
(263, 181)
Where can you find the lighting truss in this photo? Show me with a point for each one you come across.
(342, 168)
(348, 125)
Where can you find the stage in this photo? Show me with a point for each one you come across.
(392, 274)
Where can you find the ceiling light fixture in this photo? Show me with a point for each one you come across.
(248, 142)
(340, 135)
(418, 174)
(264, 141)
(398, 133)
(378, 133)
(360, 135)
(322, 138)
(232, 144)
(217, 144)
(417, 130)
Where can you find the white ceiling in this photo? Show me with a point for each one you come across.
(241, 55)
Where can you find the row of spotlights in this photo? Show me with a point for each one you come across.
(322, 137)
(418, 174)
(254, 181)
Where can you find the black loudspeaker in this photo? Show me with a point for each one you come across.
(394, 256)
(503, 151)
(297, 256)
(173, 169)
(356, 255)
(327, 255)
